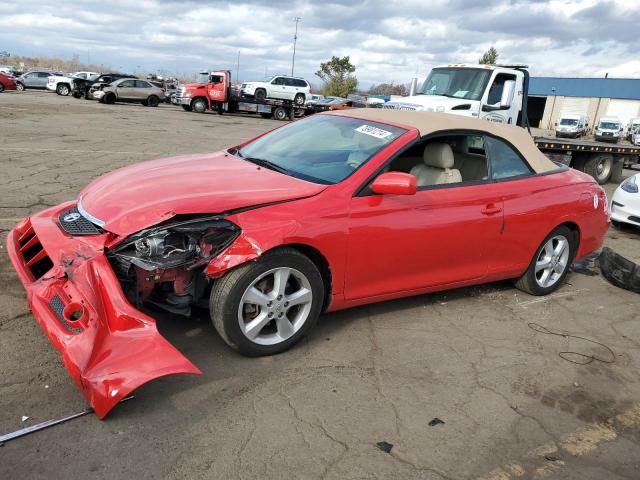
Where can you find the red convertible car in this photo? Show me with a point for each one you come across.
(7, 82)
(329, 212)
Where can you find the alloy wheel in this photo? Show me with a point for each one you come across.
(275, 306)
(552, 261)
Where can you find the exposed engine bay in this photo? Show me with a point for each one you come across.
(163, 265)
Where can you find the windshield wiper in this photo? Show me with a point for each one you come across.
(267, 164)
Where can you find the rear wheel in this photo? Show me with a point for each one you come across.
(265, 307)
(550, 263)
(199, 105)
(280, 114)
(299, 99)
(153, 101)
(599, 166)
(19, 87)
(260, 94)
(63, 89)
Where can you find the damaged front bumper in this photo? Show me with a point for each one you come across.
(109, 347)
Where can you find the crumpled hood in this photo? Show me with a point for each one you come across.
(147, 193)
(433, 103)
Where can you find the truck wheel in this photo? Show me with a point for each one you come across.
(199, 105)
(299, 99)
(153, 101)
(265, 307)
(187, 108)
(280, 114)
(599, 166)
(260, 95)
(63, 89)
(109, 98)
(19, 87)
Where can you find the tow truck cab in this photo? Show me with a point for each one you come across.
(210, 90)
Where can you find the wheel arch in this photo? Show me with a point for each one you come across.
(575, 230)
(321, 263)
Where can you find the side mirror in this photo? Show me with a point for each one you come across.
(508, 91)
(395, 183)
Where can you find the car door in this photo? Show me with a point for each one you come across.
(277, 89)
(30, 79)
(438, 237)
(41, 79)
(126, 90)
(142, 89)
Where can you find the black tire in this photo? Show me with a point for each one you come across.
(63, 89)
(19, 87)
(199, 105)
(153, 101)
(76, 95)
(599, 166)
(260, 95)
(265, 115)
(227, 293)
(1, 88)
(299, 99)
(280, 114)
(187, 108)
(528, 282)
(109, 98)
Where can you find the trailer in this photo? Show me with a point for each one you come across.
(213, 91)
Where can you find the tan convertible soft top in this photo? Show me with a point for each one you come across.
(428, 122)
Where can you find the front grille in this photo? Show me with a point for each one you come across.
(33, 254)
(399, 106)
(74, 223)
(57, 306)
(179, 91)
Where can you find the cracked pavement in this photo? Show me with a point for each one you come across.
(512, 408)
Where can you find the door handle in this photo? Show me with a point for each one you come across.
(491, 209)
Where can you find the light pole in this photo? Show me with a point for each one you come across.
(295, 39)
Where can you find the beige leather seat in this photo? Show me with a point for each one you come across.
(471, 166)
(438, 166)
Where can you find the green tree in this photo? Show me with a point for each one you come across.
(388, 89)
(338, 78)
(490, 57)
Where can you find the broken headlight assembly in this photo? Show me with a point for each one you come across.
(163, 265)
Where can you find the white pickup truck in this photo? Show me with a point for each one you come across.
(499, 93)
(63, 85)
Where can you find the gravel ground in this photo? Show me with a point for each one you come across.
(511, 407)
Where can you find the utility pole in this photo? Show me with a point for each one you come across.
(295, 39)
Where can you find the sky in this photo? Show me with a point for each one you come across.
(387, 40)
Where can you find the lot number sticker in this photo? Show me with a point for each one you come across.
(373, 131)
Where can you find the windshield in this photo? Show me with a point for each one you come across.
(467, 83)
(609, 126)
(568, 121)
(322, 149)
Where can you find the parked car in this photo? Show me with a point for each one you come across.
(63, 84)
(608, 129)
(278, 229)
(130, 90)
(82, 88)
(570, 125)
(7, 82)
(34, 79)
(313, 98)
(279, 87)
(633, 128)
(625, 203)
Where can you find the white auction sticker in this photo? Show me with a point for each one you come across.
(373, 131)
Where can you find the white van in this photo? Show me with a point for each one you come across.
(633, 128)
(571, 125)
(608, 129)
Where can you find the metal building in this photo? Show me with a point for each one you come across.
(549, 97)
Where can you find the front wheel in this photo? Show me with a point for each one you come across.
(63, 89)
(550, 264)
(199, 105)
(20, 87)
(265, 307)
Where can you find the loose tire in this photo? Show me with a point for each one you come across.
(299, 99)
(63, 89)
(599, 166)
(260, 95)
(280, 113)
(109, 98)
(199, 105)
(19, 87)
(265, 307)
(550, 264)
(153, 101)
(187, 108)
